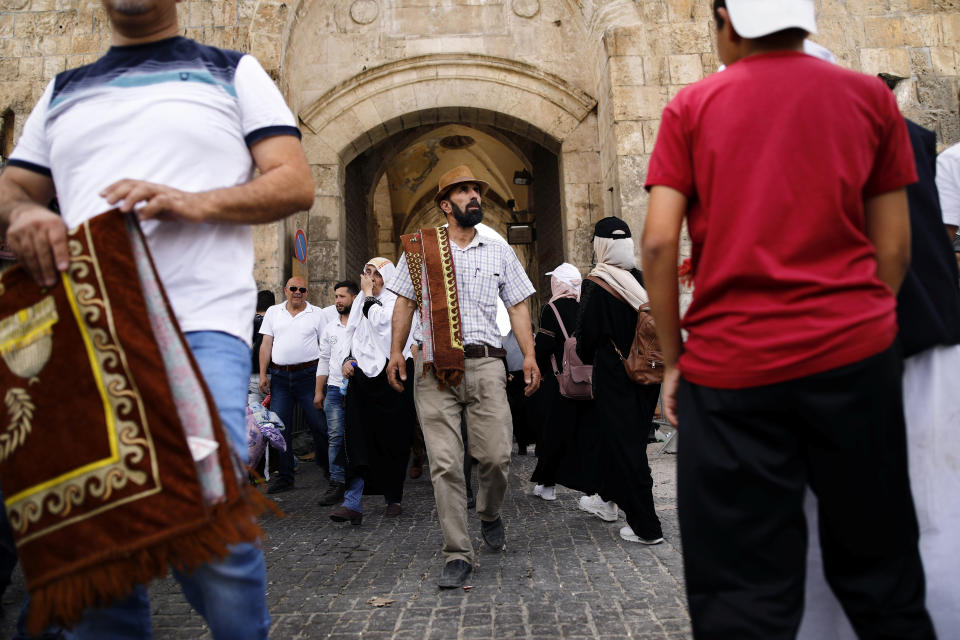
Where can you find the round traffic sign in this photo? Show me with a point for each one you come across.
(300, 246)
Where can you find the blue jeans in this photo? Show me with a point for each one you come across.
(333, 410)
(230, 594)
(353, 495)
(297, 387)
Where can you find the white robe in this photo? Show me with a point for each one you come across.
(931, 400)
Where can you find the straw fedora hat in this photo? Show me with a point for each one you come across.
(456, 176)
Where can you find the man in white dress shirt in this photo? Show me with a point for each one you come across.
(377, 432)
(290, 351)
(328, 397)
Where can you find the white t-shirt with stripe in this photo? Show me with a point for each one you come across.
(174, 112)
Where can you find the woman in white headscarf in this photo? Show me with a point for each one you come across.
(377, 428)
(623, 409)
(558, 415)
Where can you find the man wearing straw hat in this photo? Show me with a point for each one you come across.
(453, 275)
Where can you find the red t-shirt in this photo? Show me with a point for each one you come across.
(776, 155)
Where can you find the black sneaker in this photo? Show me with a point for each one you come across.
(492, 533)
(333, 494)
(280, 485)
(455, 574)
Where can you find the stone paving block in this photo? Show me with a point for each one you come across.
(284, 626)
(441, 634)
(351, 625)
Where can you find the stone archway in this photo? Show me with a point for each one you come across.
(361, 111)
(511, 96)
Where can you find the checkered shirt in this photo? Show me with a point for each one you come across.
(485, 269)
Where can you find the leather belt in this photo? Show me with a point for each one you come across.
(483, 351)
(295, 367)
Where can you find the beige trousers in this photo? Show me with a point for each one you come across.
(482, 399)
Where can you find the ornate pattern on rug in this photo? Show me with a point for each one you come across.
(110, 496)
(434, 280)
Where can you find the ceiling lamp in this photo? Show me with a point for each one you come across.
(522, 177)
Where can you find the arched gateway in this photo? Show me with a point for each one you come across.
(379, 141)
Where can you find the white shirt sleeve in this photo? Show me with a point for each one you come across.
(380, 316)
(323, 362)
(266, 327)
(948, 184)
(33, 150)
(263, 110)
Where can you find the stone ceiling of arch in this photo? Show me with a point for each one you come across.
(331, 41)
(414, 172)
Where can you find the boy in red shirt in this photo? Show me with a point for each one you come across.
(790, 172)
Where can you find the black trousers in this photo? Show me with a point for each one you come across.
(744, 459)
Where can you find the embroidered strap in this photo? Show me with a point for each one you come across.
(431, 267)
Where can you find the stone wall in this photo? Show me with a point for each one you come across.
(588, 79)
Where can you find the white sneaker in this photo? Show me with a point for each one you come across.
(606, 511)
(538, 490)
(549, 493)
(627, 534)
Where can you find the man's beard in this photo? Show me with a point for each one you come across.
(470, 217)
(344, 309)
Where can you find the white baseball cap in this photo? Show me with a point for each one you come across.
(566, 272)
(758, 18)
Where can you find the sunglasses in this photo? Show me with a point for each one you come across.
(300, 289)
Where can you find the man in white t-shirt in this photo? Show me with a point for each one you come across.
(290, 349)
(334, 351)
(174, 130)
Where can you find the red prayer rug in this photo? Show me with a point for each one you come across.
(103, 406)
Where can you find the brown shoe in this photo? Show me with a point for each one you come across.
(394, 509)
(342, 514)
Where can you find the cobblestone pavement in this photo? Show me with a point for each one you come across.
(564, 574)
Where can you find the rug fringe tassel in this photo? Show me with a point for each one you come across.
(61, 602)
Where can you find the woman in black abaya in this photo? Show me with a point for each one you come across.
(623, 409)
(558, 416)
